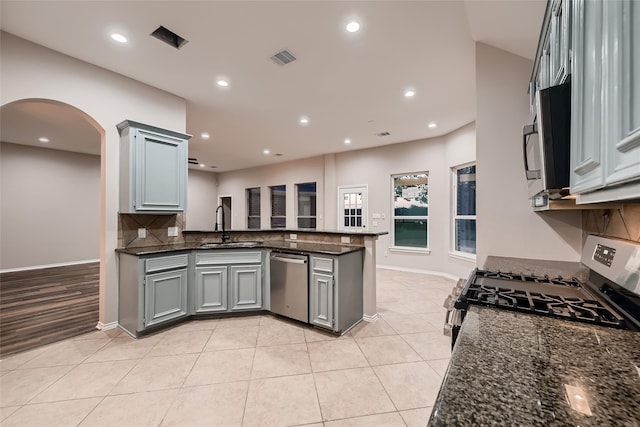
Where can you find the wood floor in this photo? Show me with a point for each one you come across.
(42, 306)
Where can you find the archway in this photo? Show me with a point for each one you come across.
(52, 218)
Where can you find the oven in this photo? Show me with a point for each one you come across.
(609, 297)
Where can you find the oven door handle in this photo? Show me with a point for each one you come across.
(529, 130)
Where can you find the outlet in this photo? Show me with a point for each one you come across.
(345, 239)
(172, 231)
(142, 233)
(293, 236)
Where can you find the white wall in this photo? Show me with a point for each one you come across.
(235, 183)
(49, 206)
(29, 71)
(374, 168)
(507, 226)
(202, 199)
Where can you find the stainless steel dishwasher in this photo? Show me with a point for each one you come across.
(290, 285)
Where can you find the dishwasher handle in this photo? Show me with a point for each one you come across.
(290, 260)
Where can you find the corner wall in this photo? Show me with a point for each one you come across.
(507, 226)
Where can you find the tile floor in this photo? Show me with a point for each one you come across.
(243, 371)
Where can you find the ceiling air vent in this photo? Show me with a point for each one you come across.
(169, 37)
(193, 161)
(283, 58)
(383, 134)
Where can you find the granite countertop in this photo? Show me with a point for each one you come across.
(538, 267)
(511, 368)
(321, 248)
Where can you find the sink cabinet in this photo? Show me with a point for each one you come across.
(227, 281)
(153, 290)
(153, 169)
(335, 291)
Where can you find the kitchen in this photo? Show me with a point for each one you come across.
(501, 110)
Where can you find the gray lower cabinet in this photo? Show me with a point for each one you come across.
(246, 287)
(165, 296)
(227, 281)
(335, 291)
(152, 290)
(211, 289)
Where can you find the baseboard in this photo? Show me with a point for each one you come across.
(368, 318)
(415, 270)
(39, 267)
(106, 326)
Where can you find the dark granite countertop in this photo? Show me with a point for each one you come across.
(511, 368)
(538, 267)
(321, 248)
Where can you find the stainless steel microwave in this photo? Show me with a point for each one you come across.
(546, 144)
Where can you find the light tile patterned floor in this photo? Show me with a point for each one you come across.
(248, 371)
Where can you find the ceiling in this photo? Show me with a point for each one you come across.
(349, 85)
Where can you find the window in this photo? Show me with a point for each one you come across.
(464, 217)
(306, 205)
(411, 210)
(253, 208)
(279, 206)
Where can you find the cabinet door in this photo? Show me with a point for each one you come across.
(246, 287)
(165, 296)
(622, 20)
(587, 164)
(321, 300)
(161, 172)
(559, 43)
(211, 289)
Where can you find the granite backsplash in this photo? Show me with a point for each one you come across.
(622, 223)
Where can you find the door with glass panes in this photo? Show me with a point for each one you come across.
(352, 208)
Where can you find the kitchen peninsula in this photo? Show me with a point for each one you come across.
(241, 252)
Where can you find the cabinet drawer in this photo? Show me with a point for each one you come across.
(229, 257)
(322, 264)
(165, 263)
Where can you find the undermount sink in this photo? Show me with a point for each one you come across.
(230, 245)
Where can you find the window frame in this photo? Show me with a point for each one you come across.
(272, 216)
(392, 232)
(453, 253)
(249, 216)
(298, 216)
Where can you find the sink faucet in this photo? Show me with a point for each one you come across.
(225, 235)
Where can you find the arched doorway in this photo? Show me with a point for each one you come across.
(50, 222)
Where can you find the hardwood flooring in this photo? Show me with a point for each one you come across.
(38, 307)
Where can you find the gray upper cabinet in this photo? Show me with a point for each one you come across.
(153, 169)
(587, 164)
(560, 41)
(605, 134)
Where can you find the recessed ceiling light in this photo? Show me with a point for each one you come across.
(266, 152)
(409, 93)
(353, 26)
(119, 38)
(223, 83)
(347, 140)
(202, 165)
(204, 135)
(304, 120)
(433, 125)
(43, 139)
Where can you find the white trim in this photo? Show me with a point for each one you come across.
(107, 326)
(60, 264)
(415, 270)
(463, 256)
(408, 249)
(370, 319)
(340, 208)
